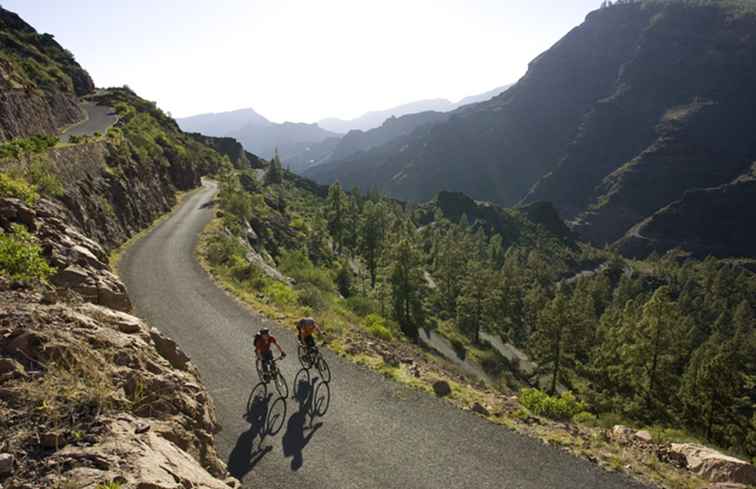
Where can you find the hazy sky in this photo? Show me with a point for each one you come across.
(303, 60)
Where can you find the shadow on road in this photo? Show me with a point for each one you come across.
(208, 204)
(264, 418)
(313, 398)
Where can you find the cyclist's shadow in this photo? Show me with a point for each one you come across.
(310, 396)
(264, 418)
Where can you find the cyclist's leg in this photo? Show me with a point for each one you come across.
(310, 342)
(267, 360)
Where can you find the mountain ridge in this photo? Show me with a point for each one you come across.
(629, 110)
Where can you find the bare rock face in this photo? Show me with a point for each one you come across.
(144, 460)
(82, 263)
(100, 400)
(715, 466)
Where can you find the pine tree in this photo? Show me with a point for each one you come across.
(373, 227)
(275, 172)
(552, 341)
(407, 288)
(477, 302)
(710, 384)
(654, 348)
(336, 210)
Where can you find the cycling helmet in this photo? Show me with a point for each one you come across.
(264, 331)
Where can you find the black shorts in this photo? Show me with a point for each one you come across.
(267, 356)
(310, 341)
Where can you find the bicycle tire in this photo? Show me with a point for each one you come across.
(323, 369)
(281, 386)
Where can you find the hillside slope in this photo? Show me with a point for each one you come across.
(39, 81)
(91, 396)
(637, 105)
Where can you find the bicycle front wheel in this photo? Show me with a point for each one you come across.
(323, 369)
(281, 386)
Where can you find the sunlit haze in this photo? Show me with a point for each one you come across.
(303, 60)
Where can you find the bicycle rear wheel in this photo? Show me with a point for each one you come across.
(281, 386)
(323, 369)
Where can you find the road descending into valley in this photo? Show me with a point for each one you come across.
(375, 433)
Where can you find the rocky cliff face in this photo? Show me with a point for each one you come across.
(39, 81)
(88, 393)
(90, 396)
(638, 105)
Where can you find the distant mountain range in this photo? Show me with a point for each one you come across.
(637, 126)
(371, 120)
(303, 145)
(223, 123)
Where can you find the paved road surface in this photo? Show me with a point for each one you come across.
(375, 433)
(99, 119)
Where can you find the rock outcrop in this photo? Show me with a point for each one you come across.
(95, 393)
(81, 263)
(715, 466)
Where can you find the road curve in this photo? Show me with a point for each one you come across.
(99, 118)
(375, 434)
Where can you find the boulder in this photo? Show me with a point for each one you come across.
(70, 277)
(480, 409)
(441, 388)
(643, 436)
(146, 460)
(621, 434)
(6, 463)
(169, 350)
(715, 466)
(9, 365)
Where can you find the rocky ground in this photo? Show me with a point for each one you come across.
(89, 394)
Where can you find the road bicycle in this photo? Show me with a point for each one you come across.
(274, 375)
(310, 356)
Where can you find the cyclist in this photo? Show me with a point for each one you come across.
(263, 340)
(306, 327)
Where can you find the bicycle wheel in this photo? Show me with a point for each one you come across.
(325, 371)
(281, 386)
(304, 357)
(322, 399)
(276, 416)
(260, 372)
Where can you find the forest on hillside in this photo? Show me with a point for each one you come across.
(668, 341)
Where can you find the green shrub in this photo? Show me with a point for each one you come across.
(555, 407)
(298, 266)
(281, 294)
(459, 348)
(47, 183)
(21, 257)
(31, 145)
(492, 362)
(17, 188)
(344, 279)
(222, 248)
(585, 418)
(377, 326)
(361, 305)
(312, 297)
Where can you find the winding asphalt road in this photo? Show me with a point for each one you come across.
(375, 433)
(99, 118)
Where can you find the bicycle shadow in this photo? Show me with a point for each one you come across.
(313, 400)
(264, 418)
